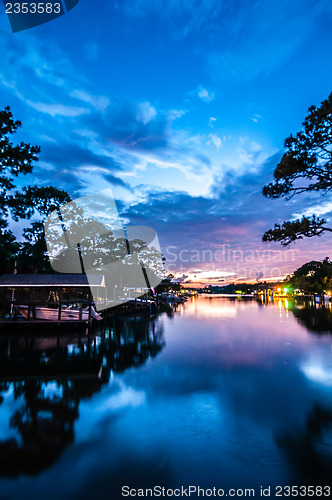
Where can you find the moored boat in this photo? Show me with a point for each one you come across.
(67, 314)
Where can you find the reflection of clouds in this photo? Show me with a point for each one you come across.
(207, 310)
(53, 390)
(124, 397)
(8, 407)
(248, 334)
(109, 404)
(202, 410)
(318, 370)
(308, 448)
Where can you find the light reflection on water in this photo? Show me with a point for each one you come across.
(221, 392)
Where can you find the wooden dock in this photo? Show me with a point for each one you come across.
(26, 322)
(35, 290)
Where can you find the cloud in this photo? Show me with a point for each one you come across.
(234, 216)
(129, 125)
(88, 128)
(133, 141)
(199, 190)
(92, 129)
(63, 178)
(205, 95)
(180, 17)
(320, 208)
(73, 155)
(239, 40)
(57, 109)
(212, 121)
(146, 112)
(249, 45)
(249, 152)
(99, 103)
(174, 114)
(255, 118)
(71, 162)
(92, 51)
(116, 181)
(215, 139)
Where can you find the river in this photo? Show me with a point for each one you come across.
(219, 393)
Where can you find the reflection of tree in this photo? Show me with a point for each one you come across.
(45, 426)
(306, 450)
(131, 342)
(44, 421)
(315, 319)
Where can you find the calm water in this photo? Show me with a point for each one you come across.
(220, 392)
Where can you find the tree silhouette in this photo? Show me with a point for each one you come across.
(313, 277)
(15, 160)
(305, 167)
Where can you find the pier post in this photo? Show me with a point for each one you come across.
(60, 303)
(90, 305)
(12, 304)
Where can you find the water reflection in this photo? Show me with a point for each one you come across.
(316, 318)
(210, 308)
(43, 424)
(44, 378)
(308, 449)
(130, 342)
(238, 398)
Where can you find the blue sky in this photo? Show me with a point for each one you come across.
(182, 108)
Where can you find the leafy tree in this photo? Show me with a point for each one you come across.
(14, 159)
(32, 253)
(97, 245)
(17, 159)
(8, 248)
(313, 277)
(305, 167)
(42, 200)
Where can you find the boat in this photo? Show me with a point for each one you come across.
(51, 314)
(171, 297)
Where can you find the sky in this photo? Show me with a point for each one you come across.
(182, 108)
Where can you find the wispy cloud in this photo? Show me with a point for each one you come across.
(215, 139)
(159, 146)
(92, 51)
(146, 112)
(181, 17)
(174, 114)
(205, 95)
(255, 118)
(212, 121)
(57, 109)
(250, 45)
(100, 103)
